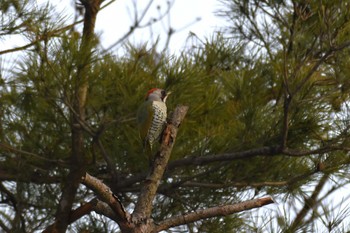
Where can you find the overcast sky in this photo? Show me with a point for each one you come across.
(115, 20)
(195, 16)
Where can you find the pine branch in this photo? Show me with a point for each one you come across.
(209, 159)
(77, 213)
(309, 204)
(289, 182)
(54, 33)
(327, 54)
(83, 210)
(78, 156)
(10, 196)
(144, 206)
(262, 151)
(107, 158)
(224, 157)
(4, 227)
(234, 184)
(31, 155)
(285, 124)
(321, 150)
(213, 212)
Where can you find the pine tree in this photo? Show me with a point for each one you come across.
(258, 110)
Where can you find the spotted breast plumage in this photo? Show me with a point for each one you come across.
(151, 118)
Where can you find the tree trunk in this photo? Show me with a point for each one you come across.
(77, 107)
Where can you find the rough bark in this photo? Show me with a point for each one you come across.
(212, 212)
(143, 206)
(106, 195)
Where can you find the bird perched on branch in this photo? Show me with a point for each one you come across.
(151, 118)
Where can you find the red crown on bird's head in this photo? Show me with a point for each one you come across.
(163, 94)
(151, 91)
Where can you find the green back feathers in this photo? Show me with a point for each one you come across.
(144, 118)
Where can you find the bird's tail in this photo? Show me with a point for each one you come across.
(147, 152)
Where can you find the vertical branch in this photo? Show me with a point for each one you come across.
(309, 204)
(285, 84)
(285, 123)
(144, 206)
(78, 160)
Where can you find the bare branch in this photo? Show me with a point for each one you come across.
(138, 20)
(105, 210)
(148, 191)
(106, 195)
(213, 212)
(136, 24)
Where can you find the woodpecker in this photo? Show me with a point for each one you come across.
(151, 118)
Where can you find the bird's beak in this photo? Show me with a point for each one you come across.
(166, 96)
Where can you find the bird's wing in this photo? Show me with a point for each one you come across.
(144, 118)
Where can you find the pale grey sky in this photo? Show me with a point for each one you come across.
(115, 20)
